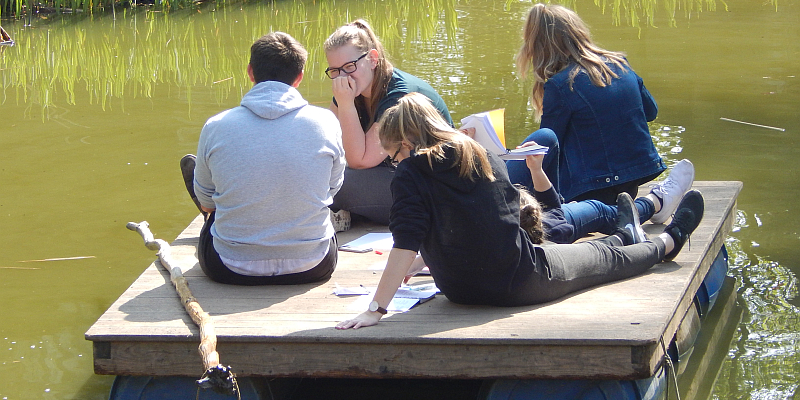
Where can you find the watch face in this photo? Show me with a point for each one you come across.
(374, 306)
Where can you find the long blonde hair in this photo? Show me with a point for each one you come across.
(554, 37)
(414, 120)
(360, 35)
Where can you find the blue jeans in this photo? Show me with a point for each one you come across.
(594, 216)
(518, 171)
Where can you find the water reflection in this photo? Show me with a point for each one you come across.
(763, 357)
(132, 55)
(667, 140)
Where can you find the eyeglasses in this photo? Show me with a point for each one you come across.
(347, 68)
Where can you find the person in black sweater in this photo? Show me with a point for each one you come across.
(454, 204)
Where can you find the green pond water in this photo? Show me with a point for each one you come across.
(95, 112)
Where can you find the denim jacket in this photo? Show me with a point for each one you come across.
(602, 131)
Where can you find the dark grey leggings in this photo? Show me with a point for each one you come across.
(562, 269)
(213, 266)
(366, 192)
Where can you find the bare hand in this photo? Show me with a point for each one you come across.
(468, 131)
(367, 318)
(344, 90)
(534, 162)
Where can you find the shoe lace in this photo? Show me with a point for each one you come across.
(664, 187)
(683, 221)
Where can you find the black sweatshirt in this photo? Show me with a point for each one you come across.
(557, 228)
(467, 231)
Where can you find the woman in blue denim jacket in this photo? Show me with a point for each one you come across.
(593, 110)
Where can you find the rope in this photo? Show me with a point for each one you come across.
(671, 366)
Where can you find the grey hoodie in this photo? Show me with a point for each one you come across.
(270, 167)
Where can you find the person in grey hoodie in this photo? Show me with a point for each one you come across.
(265, 174)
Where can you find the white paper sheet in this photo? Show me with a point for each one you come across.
(375, 241)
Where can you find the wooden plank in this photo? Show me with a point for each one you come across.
(390, 360)
(621, 323)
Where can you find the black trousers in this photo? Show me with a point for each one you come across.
(562, 269)
(215, 269)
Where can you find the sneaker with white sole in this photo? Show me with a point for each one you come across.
(628, 220)
(671, 190)
(340, 220)
(687, 218)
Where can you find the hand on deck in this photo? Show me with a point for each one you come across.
(367, 318)
(398, 264)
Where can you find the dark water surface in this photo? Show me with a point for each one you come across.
(95, 113)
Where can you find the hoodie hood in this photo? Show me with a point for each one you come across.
(444, 170)
(272, 99)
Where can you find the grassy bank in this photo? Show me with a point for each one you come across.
(20, 8)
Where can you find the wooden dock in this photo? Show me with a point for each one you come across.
(613, 331)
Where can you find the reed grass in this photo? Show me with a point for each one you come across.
(19, 8)
(136, 52)
(633, 12)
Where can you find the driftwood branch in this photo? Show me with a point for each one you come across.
(217, 377)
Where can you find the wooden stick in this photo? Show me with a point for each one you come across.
(752, 124)
(208, 338)
(58, 259)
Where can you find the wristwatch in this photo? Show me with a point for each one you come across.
(374, 306)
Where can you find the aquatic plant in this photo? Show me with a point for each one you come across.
(136, 51)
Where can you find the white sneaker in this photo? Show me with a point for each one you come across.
(672, 189)
(340, 220)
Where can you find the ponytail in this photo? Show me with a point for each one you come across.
(530, 215)
(415, 121)
(360, 35)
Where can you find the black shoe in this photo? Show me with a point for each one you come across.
(628, 225)
(687, 217)
(187, 170)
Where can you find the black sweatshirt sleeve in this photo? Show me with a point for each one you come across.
(549, 199)
(409, 219)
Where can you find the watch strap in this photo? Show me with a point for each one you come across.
(376, 308)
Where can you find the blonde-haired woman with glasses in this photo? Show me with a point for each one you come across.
(365, 84)
(593, 110)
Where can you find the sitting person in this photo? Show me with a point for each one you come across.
(453, 202)
(365, 84)
(593, 110)
(543, 215)
(265, 174)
